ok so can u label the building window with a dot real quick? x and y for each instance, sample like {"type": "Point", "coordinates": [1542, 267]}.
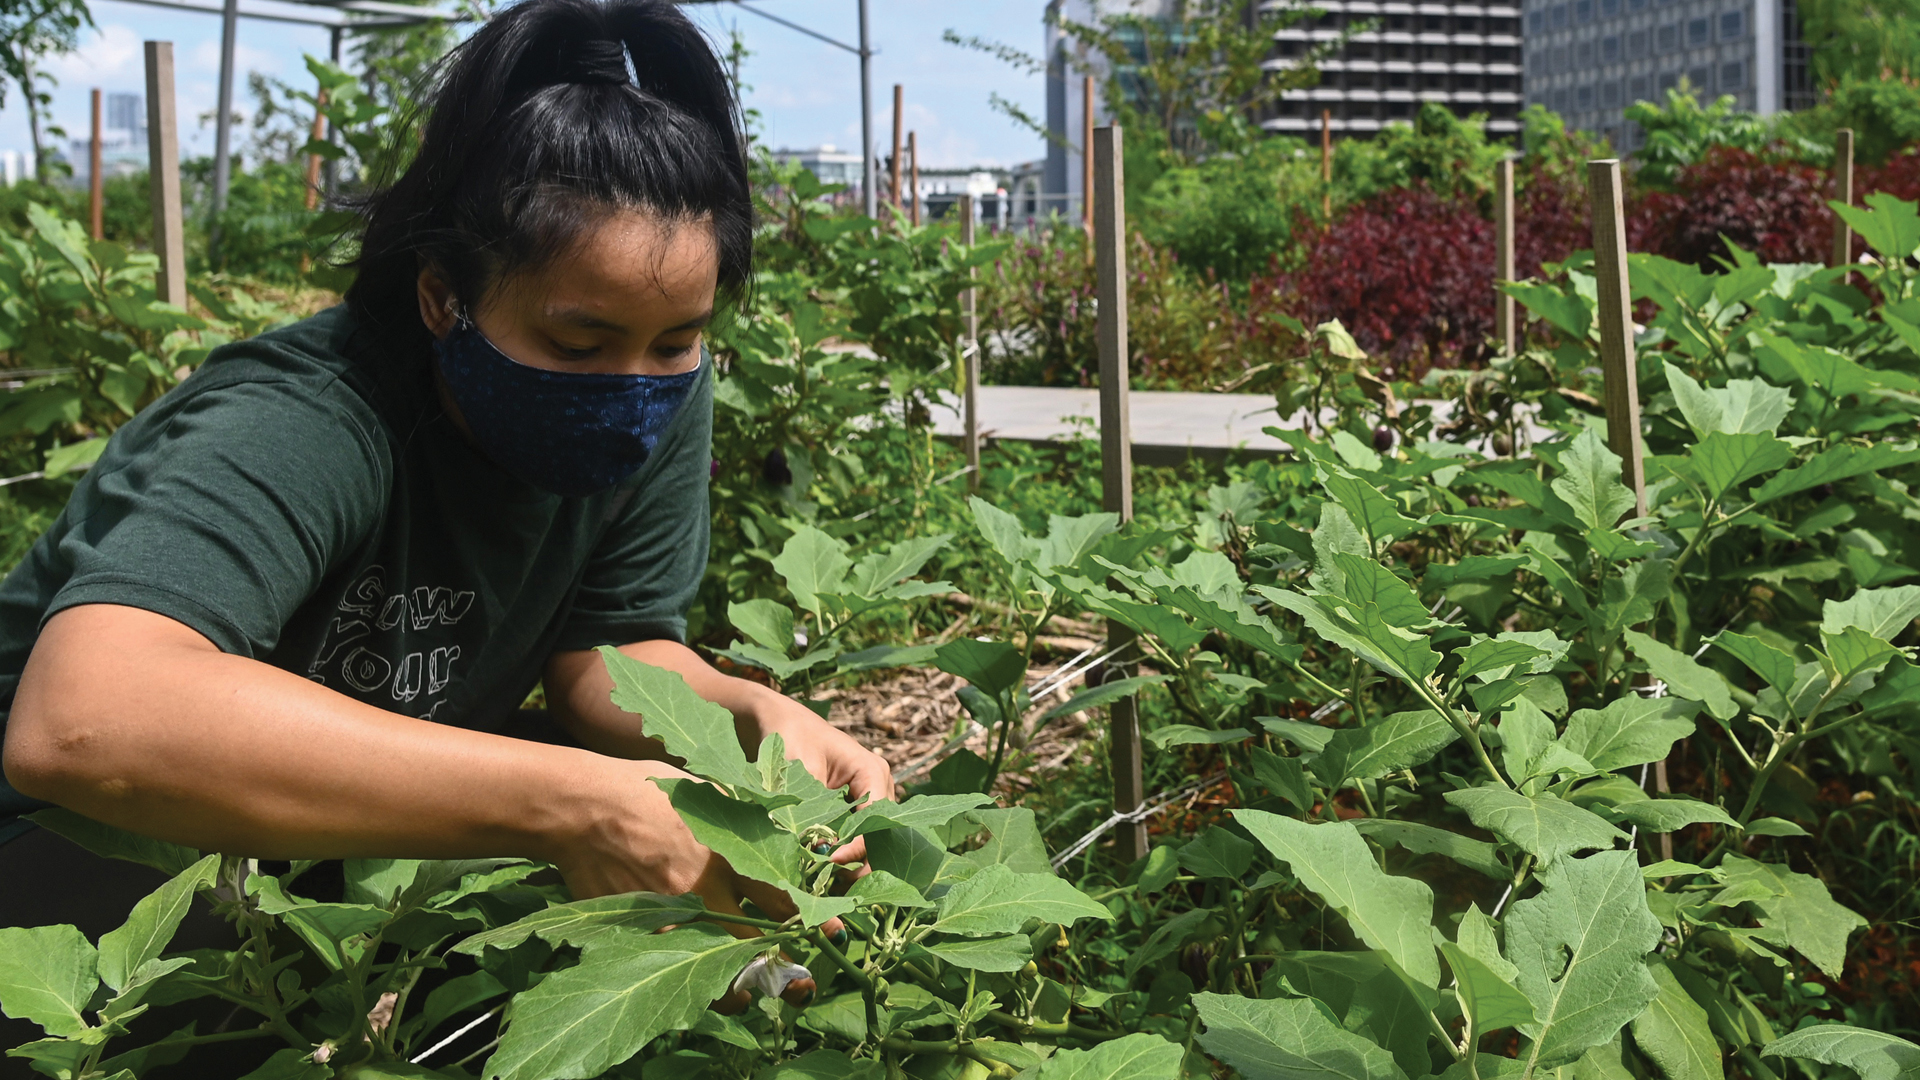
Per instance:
{"type": "Point", "coordinates": [1733, 25]}
{"type": "Point", "coordinates": [1560, 100]}
{"type": "Point", "coordinates": [1583, 98]}
{"type": "Point", "coordinates": [1733, 76]}
{"type": "Point", "coordinates": [1536, 21]}
{"type": "Point", "coordinates": [1399, 22]}
{"type": "Point", "coordinates": [1558, 15]}
{"type": "Point", "coordinates": [1668, 82]}
{"type": "Point", "coordinates": [1702, 80]}
{"type": "Point", "coordinates": [1398, 80]}
{"type": "Point", "coordinates": [1669, 38]}
{"type": "Point", "coordinates": [1636, 5]}
{"type": "Point", "coordinates": [1609, 49]}
{"type": "Point", "coordinates": [1609, 8]}
{"type": "Point", "coordinates": [1583, 54]}
{"type": "Point", "coordinates": [1610, 94]}
{"type": "Point", "coordinates": [1399, 110]}
{"type": "Point", "coordinates": [1435, 24]}
{"type": "Point", "coordinates": [1637, 88]}
{"type": "Point", "coordinates": [1466, 24]}
{"type": "Point", "coordinates": [1637, 44]}
{"type": "Point", "coordinates": [1697, 32]}
{"type": "Point", "coordinates": [1583, 11]}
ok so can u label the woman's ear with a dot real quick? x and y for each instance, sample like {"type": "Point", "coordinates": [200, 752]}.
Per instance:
{"type": "Point", "coordinates": [437, 305]}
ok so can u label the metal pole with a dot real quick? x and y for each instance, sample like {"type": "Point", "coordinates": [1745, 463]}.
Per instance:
{"type": "Point", "coordinates": [970, 353]}
{"type": "Point", "coordinates": [94, 191]}
{"type": "Point", "coordinates": [1842, 193]}
{"type": "Point", "coordinates": [1116, 461]}
{"type": "Point", "coordinates": [223, 120]}
{"type": "Point", "coordinates": [899, 114]}
{"type": "Point", "coordinates": [163, 172]}
{"type": "Point", "coordinates": [330, 168]}
{"type": "Point", "coordinates": [869, 176]}
{"type": "Point", "coordinates": [1503, 254]}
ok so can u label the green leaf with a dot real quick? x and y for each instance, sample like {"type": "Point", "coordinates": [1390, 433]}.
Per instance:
{"type": "Point", "coordinates": [1427, 840]}
{"type": "Point", "coordinates": [1487, 996]}
{"type": "Point", "coordinates": [1568, 311]}
{"type": "Point", "coordinates": [1674, 1032]}
{"type": "Point", "coordinates": [47, 975]}
{"type": "Point", "coordinates": [1501, 654]}
{"type": "Point", "coordinates": [1105, 694]}
{"type": "Point", "coordinates": [150, 927]}
{"type": "Point", "coordinates": [1310, 738]}
{"type": "Point", "coordinates": [880, 887]}
{"type": "Point", "coordinates": [1852, 652]}
{"type": "Point", "coordinates": [1774, 667]}
{"type": "Point", "coordinates": [768, 623]}
{"type": "Point", "coordinates": [1832, 466]}
{"type": "Point", "coordinates": [1194, 735]}
{"type": "Point", "coordinates": [1392, 914]}
{"type": "Point", "coordinates": [918, 812]}
{"type": "Point", "coordinates": [1217, 853]}
{"type": "Point", "coordinates": [1167, 938]}
{"type": "Point", "coordinates": [1882, 613]}
{"type": "Point", "coordinates": [1666, 815]}
{"type": "Point", "coordinates": [1364, 993]}
{"type": "Point", "coordinates": [1630, 731]}
{"type": "Point", "coordinates": [1578, 947]}
{"type": "Point", "coordinates": [1873, 1055]}
{"type": "Point", "coordinates": [1544, 826]}
{"type": "Point", "coordinates": [1888, 223]}
{"type": "Point", "coordinates": [1589, 481]}
{"type": "Point", "coordinates": [1400, 741]}
{"type": "Point", "coordinates": [111, 843]}
{"type": "Point", "coordinates": [290, 1064]}
{"type": "Point", "coordinates": [1684, 677]}
{"type": "Point", "coordinates": [909, 855]}
{"type": "Point", "coordinates": [812, 563]}
{"type": "Point", "coordinates": [1364, 630]}
{"type": "Point", "coordinates": [992, 667]}
{"type": "Point", "coordinates": [1773, 826]}
{"type": "Point", "coordinates": [1008, 953]}
{"type": "Point", "coordinates": [819, 1065]}
{"type": "Point", "coordinates": [75, 455]}
{"type": "Point", "coordinates": [878, 572]}
{"type": "Point", "coordinates": [1287, 1039]}
{"type": "Point", "coordinates": [692, 728]}
{"type": "Point", "coordinates": [625, 991]}
{"type": "Point", "coordinates": [738, 832]}
{"type": "Point", "coordinates": [1742, 407]}
{"type": "Point", "coordinates": [1284, 776]}
{"type": "Point", "coordinates": [1723, 462]}
{"type": "Point", "coordinates": [1139, 1056]}
{"type": "Point", "coordinates": [1376, 516]}
{"type": "Point", "coordinates": [1796, 911]}
{"type": "Point", "coordinates": [999, 901]}
{"type": "Point", "coordinates": [585, 922]}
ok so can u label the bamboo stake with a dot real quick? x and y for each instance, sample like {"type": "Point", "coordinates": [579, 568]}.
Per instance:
{"type": "Point", "coordinates": [1842, 193]}
{"type": "Point", "coordinates": [313, 160]}
{"type": "Point", "coordinates": [970, 353]}
{"type": "Point", "coordinates": [95, 193]}
{"type": "Point", "coordinates": [1503, 255]}
{"type": "Point", "coordinates": [913, 155]}
{"type": "Point", "coordinates": [1086, 154]}
{"type": "Point", "coordinates": [1326, 164]}
{"type": "Point", "coordinates": [163, 170]}
{"type": "Point", "coordinates": [899, 118]}
{"type": "Point", "coordinates": [1116, 463]}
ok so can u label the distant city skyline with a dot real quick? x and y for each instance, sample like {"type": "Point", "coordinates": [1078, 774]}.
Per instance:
{"type": "Point", "coordinates": [805, 92]}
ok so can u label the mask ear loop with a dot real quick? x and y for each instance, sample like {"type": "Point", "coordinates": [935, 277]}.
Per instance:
{"type": "Point", "coordinates": [461, 320]}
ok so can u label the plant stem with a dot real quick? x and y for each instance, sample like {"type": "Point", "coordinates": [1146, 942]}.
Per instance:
{"type": "Point", "coordinates": [868, 993]}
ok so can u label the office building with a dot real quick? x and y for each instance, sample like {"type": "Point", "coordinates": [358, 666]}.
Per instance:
{"type": "Point", "coordinates": [1464, 55]}
{"type": "Point", "coordinates": [1589, 59]}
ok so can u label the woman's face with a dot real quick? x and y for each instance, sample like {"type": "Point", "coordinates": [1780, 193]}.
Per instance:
{"type": "Point", "coordinates": [632, 298]}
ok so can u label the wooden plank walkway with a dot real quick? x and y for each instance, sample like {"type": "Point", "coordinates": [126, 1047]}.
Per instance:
{"type": "Point", "coordinates": [1168, 426]}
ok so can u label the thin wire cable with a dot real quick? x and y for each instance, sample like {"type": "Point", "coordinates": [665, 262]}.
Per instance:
{"type": "Point", "coordinates": [1146, 810]}
{"type": "Point", "coordinates": [449, 1040]}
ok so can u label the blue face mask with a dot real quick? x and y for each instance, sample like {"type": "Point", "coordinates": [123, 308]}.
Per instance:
{"type": "Point", "coordinates": [567, 432]}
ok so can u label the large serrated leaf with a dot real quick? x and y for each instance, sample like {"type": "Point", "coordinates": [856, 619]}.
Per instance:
{"type": "Point", "coordinates": [1133, 1057]}
{"type": "Point", "coordinates": [1589, 481]}
{"type": "Point", "coordinates": [1674, 1031]}
{"type": "Point", "coordinates": [1545, 826]}
{"type": "Point", "coordinates": [692, 728]}
{"type": "Point", "coordinates": [918, 812]}
{"type": "Point", "coordinates": [1796, 911]}
{"type": "Point", "coordinates": [583, 922]}
{"type": "Point", "coordinates": [1486, 995]}
{"type": "Point", "coordinates": [1427, 840]}
{"type": "Point", "coordinates": [1872, 1054]}
{"type": "Point", "coordinates": [812, 563]}
{"type": "Point", "coordinates": [47, 975]}
{"type": "Point", "coordinates": [1882, 613]}
{"type": "Point", "coordinates": [150, 926]}
{"type": "Point", "coordinates": [1287, 1039]}
{"type": "Point", "coordinates": [1009, 952]}
{"type": "Point", "coordinates": [738, 832]}
{"type": "Point", "coordinates": [1392, 914]}
{"type": "Point", "coordinates": [588, 1018]}
{"type": "Point", "coordinates": [1630, 731]}
{"type": "Point", "coordinates": [1683, 676]}
{"type": "Point", "coordinates": [1400, 741]}
{"type": "Point", "coordinates": [1832, 466]}
{"type": "Point", "coordinates": [1742, 407]}
{"type": "Point", "coordinates": [1578, 949]}
{"type": "Point", "coordinates": [997, 900]}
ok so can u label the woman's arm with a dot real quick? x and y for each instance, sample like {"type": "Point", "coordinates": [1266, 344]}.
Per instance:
{"type": "Point", "coordinates": [136, 720]}
{"type": "Point", "coordinates": [578, 689]}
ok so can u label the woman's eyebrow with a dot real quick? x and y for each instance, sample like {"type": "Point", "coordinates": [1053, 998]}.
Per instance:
{"type": "Point", "coordinates": [698, 322]}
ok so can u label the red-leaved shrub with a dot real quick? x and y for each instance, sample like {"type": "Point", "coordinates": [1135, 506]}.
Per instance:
{"type": "Point", "coordinates": [1776, 209]}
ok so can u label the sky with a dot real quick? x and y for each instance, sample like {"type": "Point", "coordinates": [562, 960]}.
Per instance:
{"type": "Point", "coordinates": [806, 92]}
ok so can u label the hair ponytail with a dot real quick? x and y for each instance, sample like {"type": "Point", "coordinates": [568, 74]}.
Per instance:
{"type": "Point", "coordinates": [551, 116]}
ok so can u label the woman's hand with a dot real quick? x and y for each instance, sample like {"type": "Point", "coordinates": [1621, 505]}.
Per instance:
{"type": "Point", "coordinates": [831, 755]}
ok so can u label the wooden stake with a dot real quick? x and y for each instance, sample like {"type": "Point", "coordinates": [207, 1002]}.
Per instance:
{"type": "Point", "coordinates": [913, 155]}
{"type": "Point", "coordinates": [163, 171]}
{"type": "Point", "coordinates": [899, 119]}
{"type": "Point", "coordinates": [970, 354]}
{"type": "Point", "coordinates": [313, 160]}
{"type": "Point", "coordinates": [1326, 164]}
{"type": "Point", "coordinates": [1620, 376]}
{"type": "Point", "coordinates": [1503, 254]}
{"type": "Point", "coordinates": [95, 194]}
{"type": "Point", "coordinates": [1116, 461]}
{"type": "Point", "coordinates": [1842, 193]}
{"type": "Point", "coordinates": [1086, 154]}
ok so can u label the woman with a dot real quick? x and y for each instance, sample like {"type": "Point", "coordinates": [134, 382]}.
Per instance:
{"type": "Point", "coordinates": [289, 609]}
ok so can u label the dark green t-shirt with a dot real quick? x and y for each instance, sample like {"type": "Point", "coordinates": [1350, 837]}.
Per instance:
{"type": "Point", "coordinates": [303, 500]}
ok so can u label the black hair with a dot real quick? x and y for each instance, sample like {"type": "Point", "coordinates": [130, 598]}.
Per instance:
{"type": "Point", "coordinates": [553, 115]}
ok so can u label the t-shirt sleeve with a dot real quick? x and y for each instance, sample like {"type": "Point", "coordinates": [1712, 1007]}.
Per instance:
{"type": "Point", "coordinates": [645, 571]}
{"type": "Point", "coordinates": [224, 508]}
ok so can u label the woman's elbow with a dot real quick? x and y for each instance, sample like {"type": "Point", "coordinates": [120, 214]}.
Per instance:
{"type": "Point", "coordinates": [45, 756]}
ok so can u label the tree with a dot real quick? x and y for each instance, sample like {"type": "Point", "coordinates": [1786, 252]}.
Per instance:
{"type": "Point", "coordinates": [1861, 40]}
{"type": "Point", "coordinates": [29, 31]}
